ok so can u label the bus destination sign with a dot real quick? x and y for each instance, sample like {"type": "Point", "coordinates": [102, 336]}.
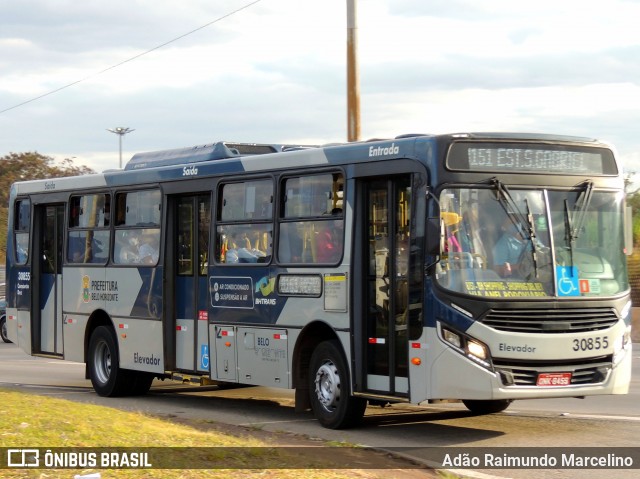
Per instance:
{"type": "Point", "coordinates": [531, 158]}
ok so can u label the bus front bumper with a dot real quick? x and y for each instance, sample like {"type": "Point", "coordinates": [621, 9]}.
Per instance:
{"type": "Point", "coordinates": [454, 376]}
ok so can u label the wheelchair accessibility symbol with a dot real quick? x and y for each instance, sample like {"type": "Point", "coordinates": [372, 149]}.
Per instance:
{"type": "Point", "coordinates": [204, 356]}
{"type": "Point", "coordinates": [567, 281]}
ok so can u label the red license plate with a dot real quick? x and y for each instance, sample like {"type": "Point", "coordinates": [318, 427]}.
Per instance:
{"type": "Point", "coordinates": [554, 379]}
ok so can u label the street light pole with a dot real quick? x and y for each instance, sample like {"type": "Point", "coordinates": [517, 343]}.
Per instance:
{"type": "Point", "coordinates": [120, 131]}
{"type": "Point", "coordinates": [353, 82]}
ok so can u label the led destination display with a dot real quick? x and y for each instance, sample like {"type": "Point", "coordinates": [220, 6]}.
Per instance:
{"type": "Point", "coordinates": [531, 158]}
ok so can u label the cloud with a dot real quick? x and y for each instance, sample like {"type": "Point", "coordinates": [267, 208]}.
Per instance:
{"type": "Point", "coordinates": [276, 72]}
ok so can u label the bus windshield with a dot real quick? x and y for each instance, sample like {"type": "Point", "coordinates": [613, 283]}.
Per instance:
{"type": "Point", "coordinates": [523, 243]}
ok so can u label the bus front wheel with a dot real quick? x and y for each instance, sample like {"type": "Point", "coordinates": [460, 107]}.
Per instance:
{"type": "Point", "coordinates": [477, 406]}
{"type": "Point", "coordinates": [106, 377]}
{"type": "Point", "coordinates": [331, 401]}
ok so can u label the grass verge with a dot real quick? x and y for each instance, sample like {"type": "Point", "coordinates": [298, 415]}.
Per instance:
{"type": "Point", "coordinates": [30, 421]}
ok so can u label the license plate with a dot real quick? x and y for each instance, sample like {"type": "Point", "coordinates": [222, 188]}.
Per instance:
{"type": "Point", "coordinates": [554, 379]}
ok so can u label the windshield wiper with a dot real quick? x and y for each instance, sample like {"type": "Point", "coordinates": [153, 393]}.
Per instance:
{"type": "Point", "coordinates": [532, 237]}
{"type": "Point", "coordinates": [574, 221]}
{"type": "Point", "coordinates": [525, 222]}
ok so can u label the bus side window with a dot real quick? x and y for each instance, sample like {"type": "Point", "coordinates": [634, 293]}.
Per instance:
{"type": "Point", "coordinates": [245, 231]}
{"type": "Point", "coordinates": [137, 224]}
{"type": "Point", "coordinates": [88, 233]}
{"type": "Point", "coordinates": [312, 223]}
{"type": "Point", "coordinates": [22, 226]}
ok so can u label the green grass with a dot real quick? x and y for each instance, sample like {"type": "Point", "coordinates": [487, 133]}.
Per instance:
{"type": "Point", "coordinates": [29, 421]}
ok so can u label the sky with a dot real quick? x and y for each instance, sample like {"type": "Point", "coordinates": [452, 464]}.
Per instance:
{"type": "Point", "coordinates": [275, 72]}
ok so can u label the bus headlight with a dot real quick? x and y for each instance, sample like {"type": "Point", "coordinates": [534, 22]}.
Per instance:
{"type": "Point", "coordinates": [473, 349]}
{"type": "Point", "coordinates": [620, 346]}
{"type": "Point", "coordinates": [452, 338]}
{"type": "Point", "coordinates": [477, 349]}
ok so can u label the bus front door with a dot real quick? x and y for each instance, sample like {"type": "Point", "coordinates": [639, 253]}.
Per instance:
{"type": "Point", "coordinates": [46, 327]}
{"type": "Point", "coordinates": [191, 291]}
{"type": "Point", "coordinates": [386, 257]}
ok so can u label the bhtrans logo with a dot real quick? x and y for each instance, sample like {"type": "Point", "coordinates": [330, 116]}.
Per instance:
{"type": "Point", "coordinates": [392, 149]}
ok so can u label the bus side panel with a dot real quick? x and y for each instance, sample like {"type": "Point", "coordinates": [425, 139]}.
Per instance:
{"type": "Point", "coordinates": [75, 326]}
{"type": "Point", "coordinates": [19, 306]}
{"type": "Point", "coordinates": [223, 347]}
{"type": "Point", "coordinates": [141, 344]}
{"type": "Point", "coordinates": [12, 324]}
{"type": "Point", "coordinates": [263, 357]}
{"type": "Point", "coordinates": [24, 331]}
{"type": "Point", "coordinates": [80, 290]}
{"type": "Point", "coordinates": [419, 373]}
{"type": "Point", "coordinates": [134, 301]}
{"type": "Point", "coordinates": [132, 297]}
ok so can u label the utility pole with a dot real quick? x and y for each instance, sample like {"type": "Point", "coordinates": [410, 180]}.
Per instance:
{"type": "Point", "coordinates": [353, 80]}
{"type": "Point", "coordinates": [120, 131]}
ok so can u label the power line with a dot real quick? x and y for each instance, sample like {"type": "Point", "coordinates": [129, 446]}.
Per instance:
{"type": "Point", "coordinates": [135, 57]}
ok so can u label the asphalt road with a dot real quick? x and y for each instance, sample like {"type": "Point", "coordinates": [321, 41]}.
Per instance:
{"type": "Point", "coordinates": [605, 421]}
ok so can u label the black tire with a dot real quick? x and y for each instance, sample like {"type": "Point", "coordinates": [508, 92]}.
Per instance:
{"type": "Point", "coordinates": [3, 329]}
{"type": "Point", "coordinates": [140, 383]}
{"type": "Point", "coordinates": [486, 406]}
{"type": "Point", "coordinates": [106, 377]}
{"type": "Point", "coordinates": [331, 401]}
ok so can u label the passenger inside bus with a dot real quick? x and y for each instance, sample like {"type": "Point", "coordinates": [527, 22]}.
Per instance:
{"type": "Point", "coordinates": [507, 252]}
{"type": "Point", "coordinates": [148, 249]}
{"type": "Point", "coordinates": [328, 240]}
{"type": "Point", "coordinates": [137, 247]}
{"type": "Point", "coordinates": [238, 247]}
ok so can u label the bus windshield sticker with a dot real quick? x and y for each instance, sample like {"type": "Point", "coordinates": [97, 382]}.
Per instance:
{"type": "Point", "coordinates": [231, 292]}
{"type": "Point", "coordinates": [335, 292]}
{"type": "Point", "coordinates": [505, 289]}
{"type": "Point", "coordinates": [567, 281]}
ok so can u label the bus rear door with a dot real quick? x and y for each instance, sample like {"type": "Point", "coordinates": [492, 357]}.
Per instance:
{"type": "Point", "coordinates": [191, 291]}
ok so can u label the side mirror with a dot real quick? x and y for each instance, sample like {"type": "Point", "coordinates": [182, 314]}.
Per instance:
{"type": "Point", "coordinates": [435, 236]}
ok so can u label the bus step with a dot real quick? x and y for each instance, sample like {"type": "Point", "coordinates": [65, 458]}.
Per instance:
{"type": "Point", "coordinates": [195, 380]}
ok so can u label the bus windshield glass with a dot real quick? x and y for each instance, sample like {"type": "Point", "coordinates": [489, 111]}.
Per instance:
{"type": "Point", "coordinates": [523, 243]}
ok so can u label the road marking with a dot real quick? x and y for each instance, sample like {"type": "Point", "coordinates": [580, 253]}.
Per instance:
{"type": "Point", "coordinates": [83, 389]}
{"type": "Point", "coordinates": [264, 423]}
{"type": "Point", "coordinates": [579, 416]}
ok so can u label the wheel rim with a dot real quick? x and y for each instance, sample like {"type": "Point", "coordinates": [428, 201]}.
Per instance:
{"type": "Point", "coordinates": [327, 384]}
{"type": "Point", "coordinates": [4, 329]}
{"type": "Point", "coordinates": [102, 362]}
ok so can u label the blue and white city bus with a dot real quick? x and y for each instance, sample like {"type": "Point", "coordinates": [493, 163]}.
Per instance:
{"type": "Point", "coordinates": [476, 267]}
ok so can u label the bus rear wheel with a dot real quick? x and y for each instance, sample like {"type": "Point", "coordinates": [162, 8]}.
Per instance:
{"type": "Point", "coordinates": [106, 377]}
{"type": "Point", "coordinates": [331, 401]}
{"type": "Point", "coordinates": [477, 406]}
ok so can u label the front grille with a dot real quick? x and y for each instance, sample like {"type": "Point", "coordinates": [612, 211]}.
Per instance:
{"type": "Point", "coordinates": [584, 372]}
{"type": "Point", "coordinates": [555, 321]}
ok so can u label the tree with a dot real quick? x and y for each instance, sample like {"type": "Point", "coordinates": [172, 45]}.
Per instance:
{"type": "Point", "coordinates": [633, 200]}
{"type": "Point", "coordinates": [29, 166]}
